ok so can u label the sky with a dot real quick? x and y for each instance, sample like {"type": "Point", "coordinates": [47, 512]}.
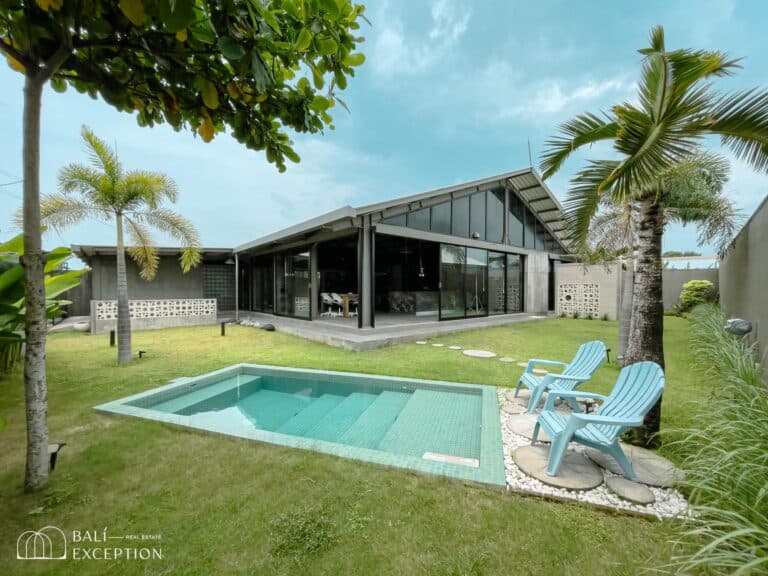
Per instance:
{"type": "Point", "coordinates": [451, 91]}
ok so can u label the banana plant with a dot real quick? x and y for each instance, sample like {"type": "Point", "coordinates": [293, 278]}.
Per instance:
{"type": "Point", "coordinates": [12, 301]}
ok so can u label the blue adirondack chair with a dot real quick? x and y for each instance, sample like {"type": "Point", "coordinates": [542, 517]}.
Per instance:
{"type": "Point", "coordinates": [637, 389]}
{"type": "Point", "coordinates": [589, 357]}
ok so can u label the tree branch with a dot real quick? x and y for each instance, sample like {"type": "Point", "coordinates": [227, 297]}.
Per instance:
{"type": "Point", "coordinates": [59, 57]}
{"type": "Point", "coordinates": [16, 55]}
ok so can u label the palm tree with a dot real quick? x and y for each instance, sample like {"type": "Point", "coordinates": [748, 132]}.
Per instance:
{"type": "Point", "coordinates": [134, 201]}
{"type": "Point", "coordinates": [696, 197]}
{"type": "Point", "coordinates": [676, 109]}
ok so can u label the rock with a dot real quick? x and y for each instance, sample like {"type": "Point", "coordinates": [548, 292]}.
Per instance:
{"type": "Point", "coordinates": [649, 467]}
{"type": "Point", "coordinates": [438, 345]}
{"type": "Point", "coordinates": [454, 347]}
{"type": "Point", "coordinates": [268, 327]}
{"type": "Point", "coordinates": [514, 408]}
{"type": "Point", "coordinates": [630, 491]}
{"type": "Point", "coordinates": [506, 359]}
{"type": "Point", "coordinates": [523, 424]}
{"type": "Point", "coordinates": [479, 353]}
{"type": "Point", "coordinates": [576, 472]}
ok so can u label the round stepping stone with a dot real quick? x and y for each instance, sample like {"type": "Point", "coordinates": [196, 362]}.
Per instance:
{"type": "Point", "coordinates": [506, 359]}
{"type": "Point", "coordinates": [421, 341]}
{"type": "Point", "coordinates": [438, 345]}
{"type": "Point", "coordinates": [630, 491]}
{"type": "Point", "coordinates": [649, 467]}
{"type": "Point", "coordinates": [454, 347]}
{"type": "Point", "coordinates": [524, 424]}
{"type": "Point", "coordinates": [576, 472]}
{"type": "Point", "coordinates": [515, 408]}
{"type": "Point", "coordinates": [479, 353]}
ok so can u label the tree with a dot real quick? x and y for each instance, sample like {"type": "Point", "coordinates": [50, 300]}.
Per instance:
{"type": "Point", "coordinates": [134, 202]}
{"type": "Point", "coordinates": [675, 109]}
{"type": "Point", "coordinates": [696, 197]}
{"type": "Point", "coordinates": [255, 66]}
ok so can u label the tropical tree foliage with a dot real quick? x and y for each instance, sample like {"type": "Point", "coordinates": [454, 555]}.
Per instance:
{"type": "Point", "coordinates": [255, 66]}
{"type": "Point", "coordinates": [675, 109]}
{"type": "Point", "coordinates": [133, 201]}
{"type": "Point", "coordinates": [12, 303]}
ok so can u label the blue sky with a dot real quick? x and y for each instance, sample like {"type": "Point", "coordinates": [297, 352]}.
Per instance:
{"type": "Point", "coordinates": [451, 91]}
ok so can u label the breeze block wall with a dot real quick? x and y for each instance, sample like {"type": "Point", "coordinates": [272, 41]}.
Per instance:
{"type": "Point", "coordinates": [154, 314]}
{"type": "Point", "coordinates": [590, 291]}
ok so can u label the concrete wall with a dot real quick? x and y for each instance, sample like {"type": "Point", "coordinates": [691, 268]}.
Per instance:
{"type": "Point", "coordinates": [536, 283]}
{"type": "Point", "coordinates": [674, 279]}
{"type": "Point", "coordinates": [170, 281]}
{"type": "Point", "coordinates": [744, 278]}
{"type": "Point", "coordinates": [80, 296]}
{"type": "Point", "coordinates": [594, 290]}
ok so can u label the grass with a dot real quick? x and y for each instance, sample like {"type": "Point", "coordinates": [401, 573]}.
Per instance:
{"type": "Point", "coordinates": [224, 505]}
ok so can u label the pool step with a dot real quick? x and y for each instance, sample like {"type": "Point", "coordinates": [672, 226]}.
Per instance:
{"type": "Point", "coordinates": [308, 417]}
{"type": "Point", "coordinates": [373, 424]}
{"type": "Point", "coordinates": [223, 393]}
{"type": "Point", "coordinates": [433, 421]}
{"type": "Point", "coordinates": [269, 409]}
{"type": "Point", "coordinates": [340, 418]}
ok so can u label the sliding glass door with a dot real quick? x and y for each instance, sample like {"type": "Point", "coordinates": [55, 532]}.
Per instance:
{"type": "Point", "coordinates": [452, 296]}
{"type": "Point", "coordinates": [497, 273]}
{"type": "Point", "coordinates": [475, 281]}
{"type": "Point", "coordinates": [514, 289]}
{"type": "Point", "coordinates": [292, 285]}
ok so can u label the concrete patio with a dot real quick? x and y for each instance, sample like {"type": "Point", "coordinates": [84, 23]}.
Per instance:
{"type": "Point", "coordinates": [390, 329]}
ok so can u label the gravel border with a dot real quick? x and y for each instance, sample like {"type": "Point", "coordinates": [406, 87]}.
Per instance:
{"type": "Point", "coordinates": [669, 502]}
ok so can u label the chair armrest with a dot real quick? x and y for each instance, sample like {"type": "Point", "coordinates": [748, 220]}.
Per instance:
{"type": "Point", "coordinates": [569, 394]}
{"type": "Point", "coordinates": [598, 419]}
{"type": "Point", "coordinates": [533, 361]}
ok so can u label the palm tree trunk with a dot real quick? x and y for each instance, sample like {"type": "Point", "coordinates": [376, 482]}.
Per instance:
{"type": "Point", "coordinates": [646, 338]}
{"type": "Point", "coordinates": [35, 385]}
{"type": "Point", "coordinates": [123, 310]}
{"type": "Point", "coordinates": [625, 311]}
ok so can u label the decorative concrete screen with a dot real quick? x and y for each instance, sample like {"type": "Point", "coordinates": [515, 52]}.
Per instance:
{"type": "Point", "coordinates": [153, 314]}
{"type": "Point", "coordinates": [583, 299]}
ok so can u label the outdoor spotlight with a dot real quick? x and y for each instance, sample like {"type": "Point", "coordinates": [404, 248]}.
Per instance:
{"type": "Point", "coordinates": [738, 326]}
{"type": "Point", "coordinates": [476, 235]}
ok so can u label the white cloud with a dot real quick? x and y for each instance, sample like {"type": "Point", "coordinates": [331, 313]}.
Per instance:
{"type": "Point", "coordinates": [396, 52]}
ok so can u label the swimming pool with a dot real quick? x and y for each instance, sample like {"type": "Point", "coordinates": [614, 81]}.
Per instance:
{"type": "Point", "coordinates": [437, 427]}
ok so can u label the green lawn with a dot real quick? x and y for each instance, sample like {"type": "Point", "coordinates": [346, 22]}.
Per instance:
{"type": "Point", "coordinates": [224, 505]}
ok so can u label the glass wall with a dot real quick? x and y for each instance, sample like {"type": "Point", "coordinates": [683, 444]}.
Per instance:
{"type": "Point", "coordinates": [494, 230]}
{"type": "Point", "coordinates": [474, 282]}
{"type": "Point", "coordinates": [292, 284]}
{"type": "Point", "coordinates": [516, 218]}
{"type": "Point", "coordinates": [497, 266]}
{"type": "Point", "coordinates": [441, 218]}
{"type": "Point", "coordinates": [452, 296]}
{"type": "Point", "coordinates": [460, 217]}
{"type": "Point", "coordinates": [515, 287]}
{"type": "Point", "coordinates": [262, 283]}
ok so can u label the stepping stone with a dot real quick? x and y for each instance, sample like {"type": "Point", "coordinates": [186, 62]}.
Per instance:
{"type": "Point", "coordinates": [649, 467]}
{"type": "Point", "coordinates": [524, 424]}
{"type": "Point", "coordinates": [539, 371]}
{"type": "Point", "coordinates": [506, 359]}
{"type": "Point", "coordinates": [454, 347]}
{"type": "Point", "coordinates": [421, 341]}
{"type": "Point", "coordinates": [515, 408]}
{"type": "Point", "coordinates": [479, 353]}
{"type": "Point", "coordinates": [576, 472]}
{"type": "Point", "coordinates": [630, 491]}
{"type": "Point", "coordinates": [438, 345]}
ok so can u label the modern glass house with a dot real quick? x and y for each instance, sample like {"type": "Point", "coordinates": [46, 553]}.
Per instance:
{"type": "Point", "coordinates": [481, 248]}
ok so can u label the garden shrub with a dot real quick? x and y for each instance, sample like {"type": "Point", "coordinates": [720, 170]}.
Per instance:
{"type": "Point", "coordinates": [725, 457]}
{"type": "Point", "coordinates": [696, 292]}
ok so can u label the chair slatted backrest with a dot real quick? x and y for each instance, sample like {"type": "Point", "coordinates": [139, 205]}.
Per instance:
{"type": "Point", "coordinates": [636, 391]}
{"type": "Point", "coordinates": [589, 357]}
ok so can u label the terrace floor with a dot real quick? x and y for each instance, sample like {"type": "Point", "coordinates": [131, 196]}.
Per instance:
{"type": "Point", "coordinates": [390, 328]}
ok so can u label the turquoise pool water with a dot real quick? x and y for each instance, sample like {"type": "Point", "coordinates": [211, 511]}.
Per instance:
{"type": "Point", "coordinates": [438, 427]}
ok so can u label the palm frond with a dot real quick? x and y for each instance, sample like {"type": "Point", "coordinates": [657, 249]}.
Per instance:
{"type": "Point", "coordinates": [178, 228]}
{"type": "Point", "coordinates": [741, 119]}
{"type": "Point", "coordinates": [82, 179]}
{"type": "Point", "coordinates": [584, 198]}
{"type": "Point", "coordinates": [142, 249]}
{"type": "Point", "coordinates": [140, 187]}
{"type": "Point", "coordinates": [582, 130]}
{"type": "Point", "coordinates": [60, 211]}
{"type": "Point", "coordinates": [102, 156]}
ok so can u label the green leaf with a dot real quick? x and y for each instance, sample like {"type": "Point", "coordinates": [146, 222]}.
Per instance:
{"type": "Point", "coordinates": [56, 257]}
{"type": "Point", "coordinates": [55, 285]}
{"type": "Point", "coordinates": [209, 93]}
{"type": "Point", "coordinates": [354, 59]}
{"type": "Point", "coordinates": [176, 14]}
{"type": "Point", "coordinates": [262, 77]}
{"type": "Point", "coordinates": [134, 11]}
{"type": "Point", "coordinates": [11, 277]}
{"type": "Point", "coordinates": [327, 46]}
{"type": "Point", "coordinates": [231, 49]}
{"type": "Point", "coordinates": [203, 32]}
{"type": "Point", "coordinates": [15, 245]}
{"type": "Point", "coordinates": [58, 84]}
{"type": "Point", "coordinates": [304, 40]}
